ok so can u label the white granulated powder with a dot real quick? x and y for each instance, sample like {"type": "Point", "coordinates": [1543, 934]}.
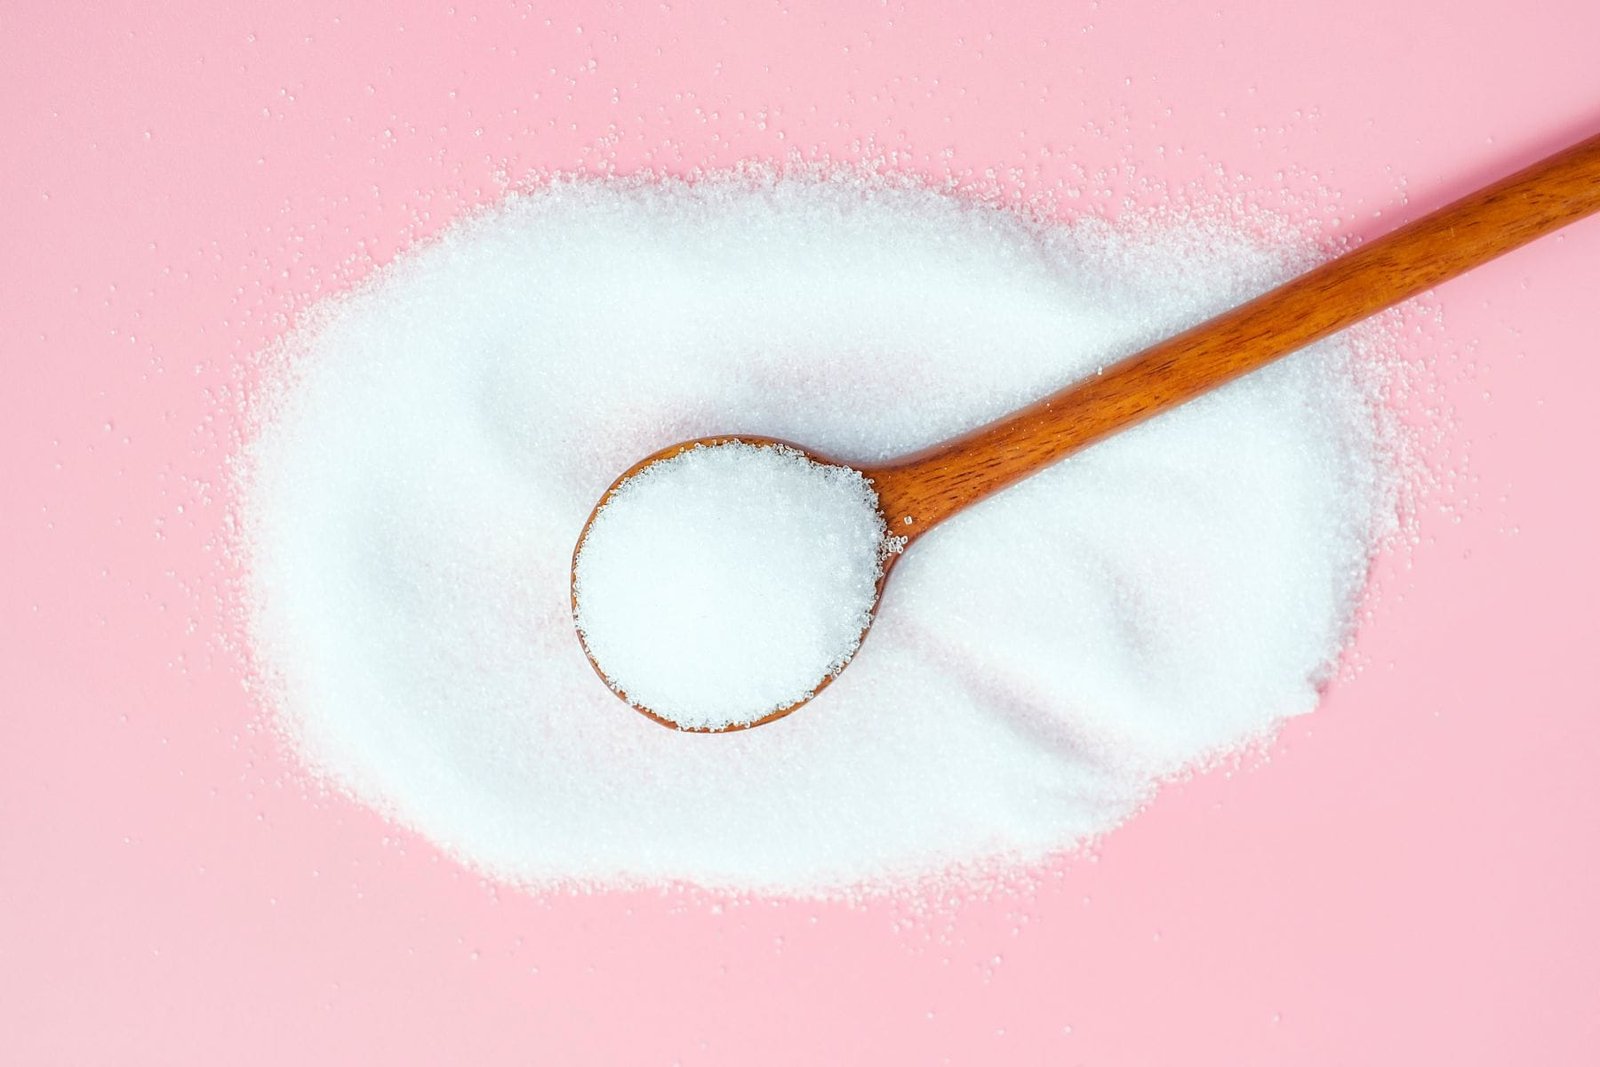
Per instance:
{"type": "Point", "coordinates": [726, 582]}
{"type": "Point", "coordinates": [431, 445]}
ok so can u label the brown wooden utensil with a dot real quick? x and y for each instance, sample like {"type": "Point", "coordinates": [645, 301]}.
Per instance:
{"type": "Point", "coordinates": [919, 491]}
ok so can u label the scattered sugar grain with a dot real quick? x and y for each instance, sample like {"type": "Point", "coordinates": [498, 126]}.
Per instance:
{"type": "Point", "coordinates": [431, 446]}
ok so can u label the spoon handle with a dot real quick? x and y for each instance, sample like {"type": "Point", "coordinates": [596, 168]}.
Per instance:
{"type": "Point", "coordinates": [923, 489]}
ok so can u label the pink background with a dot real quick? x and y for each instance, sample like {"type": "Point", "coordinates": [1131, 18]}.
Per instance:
{"type": "Point", "coordinates": [1413, 876]}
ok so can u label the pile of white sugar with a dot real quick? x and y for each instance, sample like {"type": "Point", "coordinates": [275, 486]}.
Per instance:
{"type": "Point", "coordinates": [725, 583]}
{"type": "Point", "coordinates": [430, 446]}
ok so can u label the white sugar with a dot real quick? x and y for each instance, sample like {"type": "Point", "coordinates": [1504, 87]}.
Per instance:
{"type": "Point", "coordinates": [727, 582]}
{"type": "Point", "coordinates": [432, 444]}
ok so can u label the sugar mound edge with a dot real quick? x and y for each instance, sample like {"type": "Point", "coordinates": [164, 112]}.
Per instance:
{"type": "Point", "coordinates": [727, 582]}
{"type": "Point", "coordinates": [428, 448]}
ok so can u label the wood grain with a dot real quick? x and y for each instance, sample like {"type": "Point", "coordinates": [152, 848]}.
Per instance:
{"type": "Point", "coordinates": [922, 490]}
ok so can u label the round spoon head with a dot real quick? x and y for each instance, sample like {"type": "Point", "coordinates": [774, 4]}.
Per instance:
{"type": "Point", "coordinates": [885, 561]}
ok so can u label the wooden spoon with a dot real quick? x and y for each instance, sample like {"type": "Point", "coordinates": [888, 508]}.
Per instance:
{"type": "Point", "coordinates": [919, 491]}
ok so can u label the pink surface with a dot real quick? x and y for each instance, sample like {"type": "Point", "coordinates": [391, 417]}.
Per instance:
{"type": "Point", "coordinates": [1411, 878]}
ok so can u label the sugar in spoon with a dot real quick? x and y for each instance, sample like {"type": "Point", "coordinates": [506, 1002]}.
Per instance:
{"type": "Point", "coordinates": [917, 492]}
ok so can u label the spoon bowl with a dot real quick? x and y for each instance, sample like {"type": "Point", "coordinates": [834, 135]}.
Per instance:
{"type": "Point", "coordinates": [886, 563]}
